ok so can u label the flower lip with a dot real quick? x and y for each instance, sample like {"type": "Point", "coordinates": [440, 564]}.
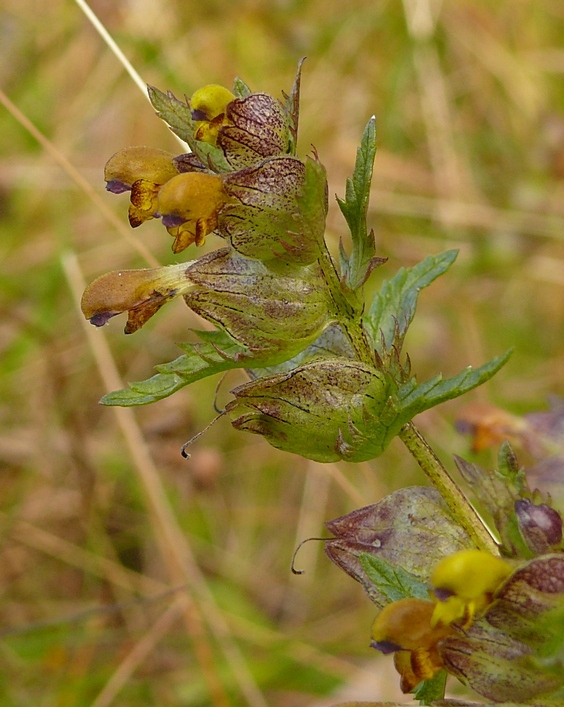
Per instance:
{"type": "Point", "coordinates": [199, 115]}
{"type": "Point", "coordinates": [172, 220]}
{"type": "Point", "coordinates": [442, 594]}
{"type": "Point", "coordinates": [102, 318]}
{"type": "Point", "coordinates": [116, 186]}
{"type": "Point", "coordinates": [385, 647]}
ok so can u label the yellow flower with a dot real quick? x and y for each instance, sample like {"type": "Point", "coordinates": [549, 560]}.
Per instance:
{"type": "Point", "coordinates": [141, 170]}
{"type": "Point", "coordinates": [464, 584]}
{"type": "Point", "coordinates": [189, 205]}
{"type": "Point", "coordinates": [208, 105]}
{"type": "Point", "coordinates": [140, 293]}
{"type": "Point", "coordinates": [404, 628]}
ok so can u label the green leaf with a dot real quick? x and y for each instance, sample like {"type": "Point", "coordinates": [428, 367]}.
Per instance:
{"type": "Point", "coordinates": [240, 88]}
{"type": "Point", "coordinates": [356, 268]}
{"type": "Point", "coordinates": [293, 108]}
{"type": "Point", "coordinates": [393, 308]}
{"type": "Point", "coordinates": [439, 390]}
{"type": "Point", "coordinates": [175, 113]}
{"type": "Point", "coordinates": [393, 582]}
{"type": "Point", "coordinates": [430, 690]}
{"type": "Point", "coordinates": [215, 354]}
{"type": "Point", "coordinates": [313, 204]}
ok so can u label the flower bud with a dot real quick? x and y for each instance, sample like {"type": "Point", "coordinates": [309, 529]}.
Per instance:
{"type": "Point", "coordinates": [208, 105]}
{"type": "Point", "coordinates": [141, 170]}
{"type": "Point", "coordinates": [189, 205]}
{"type": "Point", "coordinates": [314, 410]}
{"type": "Point", "coordinates": [465, 583]}
{"type": "Point", "coordinates": [259, 307]}
{"type": "Point", "coordinates": [540, 526]}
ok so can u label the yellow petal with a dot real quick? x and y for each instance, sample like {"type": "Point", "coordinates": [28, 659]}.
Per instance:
{"type": "Point", "coordinates": [139, 292]}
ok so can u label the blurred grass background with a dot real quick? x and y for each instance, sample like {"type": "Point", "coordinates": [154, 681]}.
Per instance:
{"type": "Point", "coordinates": [129, 576]}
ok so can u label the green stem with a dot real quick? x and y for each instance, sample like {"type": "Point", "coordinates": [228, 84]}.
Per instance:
{"type": "Point", "coordinates": [459, 506]}
{"type": "Point", "coordinates": [348, 312]}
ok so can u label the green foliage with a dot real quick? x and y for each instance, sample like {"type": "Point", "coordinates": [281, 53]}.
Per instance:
{"type": "Point", "coordinates": [176, 114]}
{"type": "Point", "coordinates": [415, 398]}
{"type": "Point", "coordinates": [216, 354]}
{"type": "Point", "coordinates": [430, 690]}
{"type": "Point", "coordinates": [392, 581]}
{"type": "Point", "coordinates": [393, 307]}
{"type": "Point", "coordinates": [526, 522]}
{"type": "Point", "coordinates": [240, 88]}
{"type": "Point", "coordinates": [356, 267]}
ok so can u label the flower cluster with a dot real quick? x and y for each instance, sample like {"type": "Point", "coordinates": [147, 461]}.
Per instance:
{"type": "Point", "coordinates": [329, 381]}
{"type": "Point", "coordinates": [494, 622]}
{"type": "Point", "coordinates": [328, 384]}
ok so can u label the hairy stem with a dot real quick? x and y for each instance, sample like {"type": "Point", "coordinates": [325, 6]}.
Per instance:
{"type": "Point", "coordinates": [459, 506]}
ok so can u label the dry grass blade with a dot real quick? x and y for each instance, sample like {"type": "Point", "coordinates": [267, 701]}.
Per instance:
{"type": "Point", "coordinates": [72, 554]}
{"type": "Point", "coordinates": [111, 44]}
{"type": "Point", "coordinates": [124, 61]}
{"type": "Point", "coordinates": [75, 175]}
{"type": "Point", "coordinates": [140, 652]}
{"type": "Point", "coordinates": [174, 547]}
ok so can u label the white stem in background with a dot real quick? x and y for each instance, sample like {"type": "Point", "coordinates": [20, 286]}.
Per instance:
{"type": "Point", "coordinates": [103, 32]}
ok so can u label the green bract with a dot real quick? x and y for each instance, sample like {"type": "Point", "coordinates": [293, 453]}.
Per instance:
{"type": "Point", "coordinates": [280, 310]}
{"type": "Point", "coordinates": [316, 410]}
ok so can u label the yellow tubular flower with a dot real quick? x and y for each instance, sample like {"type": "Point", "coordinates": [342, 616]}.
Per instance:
{"type": "Point", "coordinates": [141, 293]}
{"type": "Point", "coordinates": [464, 584]}
{"type": "Point", "coordinates": [141, 170]}
{"type": "Point", "coordinates": [189, 205]}
{"type": "Point", "coordinates": [404, 628]}
{"type": "Point", "coordinates": [208, 105]}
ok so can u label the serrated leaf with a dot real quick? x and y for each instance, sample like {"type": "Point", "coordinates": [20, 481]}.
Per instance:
{"type": "Point", "coordinates": [430, 690]}
{"type": "Point", "coordinates": [293, 108]}
{"type": "Point", "coordinates": [174, 112]}
{"type": "Point", "coordinates": [215, 354]}
{"type": "Point", "coordinates": [439, 390]}
{"type": "Point", "coordinates": [393, 308]}
{"type": "Point", "coordinates": [240, 88]}
{"type": "Point", "coordinates": [394, 583]}
{"type": "Point", "coordinates": [356, 267]}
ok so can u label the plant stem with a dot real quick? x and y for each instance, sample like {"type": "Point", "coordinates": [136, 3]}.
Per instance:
{"type": "Point", "coordinates": [459, 506]}
{"type": "Point", "coordinates": [348, 311]}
